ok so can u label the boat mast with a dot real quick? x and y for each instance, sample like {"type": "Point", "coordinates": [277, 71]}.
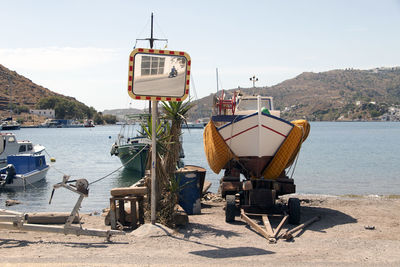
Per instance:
{"type": "Point", "coordinates": [154, 113]}
{"type": "Point", "coordinates": [151, 41]}
{"type": "Point", "coordinates": [10, 101]}
{"type": "Point", "coordinates": [217, 79]}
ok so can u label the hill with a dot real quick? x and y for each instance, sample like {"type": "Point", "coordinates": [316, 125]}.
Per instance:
{"type": "Point", "coordinates": [333, 95]}
{"type": "Point", "coordinates": [22, 94]}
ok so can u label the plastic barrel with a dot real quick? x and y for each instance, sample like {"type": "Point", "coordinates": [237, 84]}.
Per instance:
{"type": "Point", "coordinates": [189, 193]}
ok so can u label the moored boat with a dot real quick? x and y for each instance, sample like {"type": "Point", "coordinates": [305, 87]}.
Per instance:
{"type": "Point", "coordinates": [9, 145]}
{"type": "Point", "coordinates": [9, 124]}
{"type": "Point", "coordinates": [132, 149]}
{"type": "Point", "coordinates": [23, 170]}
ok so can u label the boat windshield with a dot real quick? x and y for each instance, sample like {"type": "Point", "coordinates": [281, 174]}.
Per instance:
{"type": "Point", "coordinates": [251, 104]}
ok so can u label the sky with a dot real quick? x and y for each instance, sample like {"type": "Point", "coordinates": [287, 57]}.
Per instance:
{"type": "Point", "coordinates": [81, 48]}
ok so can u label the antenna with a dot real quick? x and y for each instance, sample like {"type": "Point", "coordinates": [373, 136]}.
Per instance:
{"type": "Point", "coordinates": [152, 39]}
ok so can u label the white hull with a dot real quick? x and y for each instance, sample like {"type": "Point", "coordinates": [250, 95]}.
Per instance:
{"type": "Point", "coordinates": [22, 180]}
{"type": "Point", "coordinates": [255, 135]}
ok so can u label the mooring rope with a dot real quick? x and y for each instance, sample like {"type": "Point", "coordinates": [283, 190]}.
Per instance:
{"type": "Point", "coordinates": [102, 178]}
{"type": "Point", "coordinates": [123, 165]}
{"type": "Point", "coordinates": [52, 165]}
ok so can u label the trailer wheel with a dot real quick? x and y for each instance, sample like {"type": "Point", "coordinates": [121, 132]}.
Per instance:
{"type": "Point", "coordinates": [230, 208]}
{"type": "Point", "coordinates": [294, 211]}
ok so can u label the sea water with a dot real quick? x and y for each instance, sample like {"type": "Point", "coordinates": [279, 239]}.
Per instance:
{"type": "Point", "coordinates": [337, 158]}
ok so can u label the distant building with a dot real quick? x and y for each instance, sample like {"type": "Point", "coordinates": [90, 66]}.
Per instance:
{"type": "Point", "coordinates": [48, 113]}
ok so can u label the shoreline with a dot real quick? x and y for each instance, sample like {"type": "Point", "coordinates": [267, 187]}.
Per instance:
{"type": "Point", "coordinates": [341, 237]}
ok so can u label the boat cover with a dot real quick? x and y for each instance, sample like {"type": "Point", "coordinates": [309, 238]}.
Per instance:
{"type": "Point", "coordinates": [288, 151]}
{"type": "Point", "coordinates": [218, 153]}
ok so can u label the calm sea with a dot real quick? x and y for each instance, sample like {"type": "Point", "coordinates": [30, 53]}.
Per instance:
{"type": "Point", "coordinates": [337, 158]}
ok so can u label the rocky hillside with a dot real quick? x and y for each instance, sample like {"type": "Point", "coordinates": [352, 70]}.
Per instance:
{"type": "Point", "coordinates": [22, 91]}
{"type": "Point", "coordinates": [333, 95]}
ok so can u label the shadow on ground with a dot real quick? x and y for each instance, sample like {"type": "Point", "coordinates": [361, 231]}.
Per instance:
{"type": "Point", "coordinates": [202, 229]}
{"type": "Point", "coordinates": [221, 253]}
{"type": "Point", "coordinates": [14, 243]}
{"type": "Point", "coordinates": [329, 218]}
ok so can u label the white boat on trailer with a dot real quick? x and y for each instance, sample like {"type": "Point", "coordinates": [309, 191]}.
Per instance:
{"type": "Point", "coordinates": [253, 130]}
{"type": "Point", "coordinates": [23, 170]}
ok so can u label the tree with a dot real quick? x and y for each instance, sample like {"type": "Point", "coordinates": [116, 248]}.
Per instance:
{"type": "Point", "coordinates": [176, 113]}
{"type": "Point", "coordinates": [98, 119]}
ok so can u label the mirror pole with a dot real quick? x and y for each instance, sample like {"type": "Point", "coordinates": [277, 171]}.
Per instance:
{"type": "Point", "coordinates": [153, 161]}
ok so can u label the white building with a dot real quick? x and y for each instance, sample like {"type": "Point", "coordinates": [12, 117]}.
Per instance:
{"type": "Point", "coordinates": [48, 113]}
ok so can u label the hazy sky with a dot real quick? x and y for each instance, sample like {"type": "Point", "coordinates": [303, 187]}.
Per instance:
{"type": "Point", "coordinates": [81, 48]}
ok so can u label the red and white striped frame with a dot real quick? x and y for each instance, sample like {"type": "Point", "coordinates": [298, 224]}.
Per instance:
{"type": "Point", "coordinates": [158, 52]}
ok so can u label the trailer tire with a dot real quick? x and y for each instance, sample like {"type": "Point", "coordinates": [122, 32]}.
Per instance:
{"type": "Point", "coordinates": [230, 208]}
{"type": "Point", "coordinates": [294, 211]}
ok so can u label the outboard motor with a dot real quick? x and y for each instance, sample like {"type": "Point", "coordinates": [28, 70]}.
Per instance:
{"type": "Point", "coordinates": [10, 171]}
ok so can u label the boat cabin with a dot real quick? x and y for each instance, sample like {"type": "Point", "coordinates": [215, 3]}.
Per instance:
{"type": "Point", "coordinates": [10, 146]}
{"type": "Point", "coordinates": [249, 104]}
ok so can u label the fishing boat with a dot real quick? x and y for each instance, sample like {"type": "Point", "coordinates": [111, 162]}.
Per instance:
{"type": "Point", "coordinates": [23, 170]}
{"type": "Point", "coordinates": [247, 137]}
{"type": "Point", "coordinates": [9, 145]}
{"type": "Point", "coordinates": [132, 147]}
{"type": "Point", "coordinates": [198, 124]}
{"type": "Point", "coordinates": [253, 132]}
{"type": "Point", "coordinates": [9, 124]}
{"type": "Point", "coordinates": [88, 123]}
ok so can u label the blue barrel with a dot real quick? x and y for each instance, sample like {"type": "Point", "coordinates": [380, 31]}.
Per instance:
{"type": "Point", "coordinates": [190, 179]}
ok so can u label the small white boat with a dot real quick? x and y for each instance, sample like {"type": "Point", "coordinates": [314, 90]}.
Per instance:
{"type": "Point", "coordinates": [10, 124]}
{"type": "Point", "coordinates": [23, 170]}
{"type": "Point", "coordinates": [254, 132]}
{"type": "Point", "coordinates": [10, 146]}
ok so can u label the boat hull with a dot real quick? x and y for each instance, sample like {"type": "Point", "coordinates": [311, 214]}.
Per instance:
{"type": "Point", "coordinates": [134, 156]}
{"type": "Point", "coordinates": [25, 180]}
{"type": "Point", "coordinates": [250, 143]}
{"type": "Point", "coordinates": [255, 135]}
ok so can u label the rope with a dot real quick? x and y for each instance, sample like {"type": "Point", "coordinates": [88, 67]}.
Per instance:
{"type": "Point", "coordinates": [102, 178]}
{"type": "Point", "coordinates": [52, 165]}
{"type": "Point", "coordinates": [123, 165]}
{"type": "Point", "coordinates": [26, 181]}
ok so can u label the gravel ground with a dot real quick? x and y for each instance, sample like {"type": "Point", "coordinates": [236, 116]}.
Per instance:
{"type": "Point", "coordinates": [341, 237]}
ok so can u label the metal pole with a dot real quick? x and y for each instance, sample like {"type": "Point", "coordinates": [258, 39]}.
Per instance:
{"type": "Point", "coordinates": [217, 78]}
{"type": "Point", "coordinates": [153, 161]}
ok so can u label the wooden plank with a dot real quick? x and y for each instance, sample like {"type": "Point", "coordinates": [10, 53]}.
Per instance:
{"type": "Point", "coordinates": [278, 229]}
{"type": "Point", "coordinates": [49, 217]}
{"type": "Point", "coordinates": [141, 210]}
{"type": "Point", "coordinates": [121, 211]}
{"type": "Point", "coordinates": [289, 234]}
{"type": "Point", "coordinates": [254, 225]}
{"type": "Point", "coordinates": [125, 191]}
{"type": "Point", "coordinates": [268, 226]}
{"type": "Point", "coordinates": [113, 215]}
{"type": "Point", "coordinates": [60, 229]}
{"type": "Point", "coordinates": [9, 212]}
{"type": "Point", "coordinates": [133, 214]}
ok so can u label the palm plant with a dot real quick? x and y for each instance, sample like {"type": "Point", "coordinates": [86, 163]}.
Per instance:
{"type": "Point", "coordinates": [168, 146]}
{"type": "Point", "coordinates": [176, 113]}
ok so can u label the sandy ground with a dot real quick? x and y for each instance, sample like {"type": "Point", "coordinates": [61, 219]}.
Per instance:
{"type": "Point", "coordinates": [339, 238]}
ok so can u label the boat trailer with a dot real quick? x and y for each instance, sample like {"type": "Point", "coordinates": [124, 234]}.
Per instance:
{"type": "Point", "coordinates": [257, 198]}
{"type": "Point", "coordinates": [17, 221]}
